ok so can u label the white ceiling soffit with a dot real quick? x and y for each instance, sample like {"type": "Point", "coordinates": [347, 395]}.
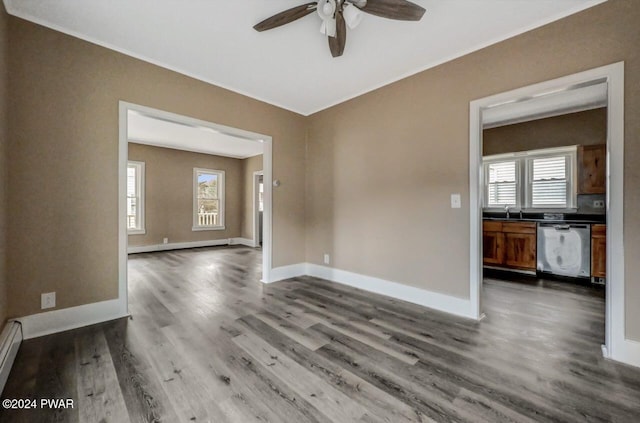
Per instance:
{"type": "Point", "coordinates": [290, 66]}
{"type": "Point", "coordinates": [143, 129]}
{"type": "Point", "coordinates": [545, 106]}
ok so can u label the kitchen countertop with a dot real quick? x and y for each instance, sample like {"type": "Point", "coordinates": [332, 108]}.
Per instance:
{"type": "Point", "coordinates": [539, 218]}
{"type": "Point", "coordinates": [566, 221]}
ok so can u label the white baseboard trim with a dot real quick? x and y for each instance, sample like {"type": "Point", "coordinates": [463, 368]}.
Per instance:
{"type": "Point", "coordinates": [627, 352]}
{"type": "Point", "coordinates": [287, 272]}
{"type": "Point", "coordinates": [177, 246]}
{"type": "Point", "coordinates": [10, 341]}
{"type": "Point", "coordinates": [49, 322]}
{"type": "Point", "coordinates": [449, 304]}
{"type": "Point", "coordinates": [193, 244]}
{"type": "Point", "coordinates": [243, 241]}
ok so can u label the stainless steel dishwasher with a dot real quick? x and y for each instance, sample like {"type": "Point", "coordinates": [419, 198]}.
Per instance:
{"type": "Point", "coordinates": [564, 249]}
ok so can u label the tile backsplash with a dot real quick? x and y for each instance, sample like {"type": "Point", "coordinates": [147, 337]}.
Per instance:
{"type": "Point", "coordinates": [586, 204]}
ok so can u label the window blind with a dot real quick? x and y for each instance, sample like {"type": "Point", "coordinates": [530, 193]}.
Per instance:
{"type": "Point", "coordinates": [502, 184]}
{"type": "Point", "coordinates": [549, 182]}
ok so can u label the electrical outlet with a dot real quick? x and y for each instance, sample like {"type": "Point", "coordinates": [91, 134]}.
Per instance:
{"type": "Point", "coordinates": [48, 300]}
{"type": "Point", "coordinates": [598, 204]}
{"type": "Point", "coordinates": [327, 258]}
{"type": "Point", "coordinates": [165, 240]}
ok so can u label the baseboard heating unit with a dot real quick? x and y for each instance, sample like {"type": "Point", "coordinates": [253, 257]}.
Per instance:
{"type": "Point", "coordinates": [10, 340]}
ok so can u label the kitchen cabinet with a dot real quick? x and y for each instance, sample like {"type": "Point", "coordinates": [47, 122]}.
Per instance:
{"type": "Point", "coordinates": [520, 245]}
{"type": "Point", "coordinates": [598, 251]}
{"type": "Point", "coordinates": [492, 243]}
{"type": "Point", "coordinates": [592, 166]}
{"type": "Point", "coordinates": [510, 245]}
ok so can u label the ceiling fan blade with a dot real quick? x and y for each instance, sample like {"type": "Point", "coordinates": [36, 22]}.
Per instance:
{"type": "Point", "coordinates": [402, 10]}
{"type": "Point", "coordinates": [337, 43]}
{"type": "Point", "coordinates": [286, 17]}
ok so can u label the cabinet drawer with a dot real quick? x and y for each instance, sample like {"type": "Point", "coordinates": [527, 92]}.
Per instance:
{"type": "Point", "coordinates": [519, 227]}
{"type": "Point", "coordinates": [491, 226]}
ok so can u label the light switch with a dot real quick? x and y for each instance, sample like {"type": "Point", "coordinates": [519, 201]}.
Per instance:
{"type": "Point", "coordinates": [456, 202]}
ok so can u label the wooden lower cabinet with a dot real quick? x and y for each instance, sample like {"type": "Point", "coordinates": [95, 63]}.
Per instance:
{"type": "Point", "coordinates": [492, 243]}
{"type": "Point", "coordinates": [599, 251]}
{"type": "Point", "coordinates": [520, 250]}
{"type": "Point", "coordinates": [510, 245]}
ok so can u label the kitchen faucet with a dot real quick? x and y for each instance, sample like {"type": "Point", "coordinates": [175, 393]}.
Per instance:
{"type": "Point", "coordinates": [507, 209]}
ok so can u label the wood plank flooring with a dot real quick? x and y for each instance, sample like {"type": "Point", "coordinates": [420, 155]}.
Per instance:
{"type": "Point", "coordinates": [207, 342]}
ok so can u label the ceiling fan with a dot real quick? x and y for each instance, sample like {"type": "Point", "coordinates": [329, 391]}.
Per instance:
{"type": "Point", "coordinates": [336, 15]}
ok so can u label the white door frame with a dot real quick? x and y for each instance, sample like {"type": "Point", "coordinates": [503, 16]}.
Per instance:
{"type": "Point", "coordinates": [267, 161]}
{"type": "Point", "coordinates": [616, 347]}
{"type": "Point", "coordinates": [256, 209]}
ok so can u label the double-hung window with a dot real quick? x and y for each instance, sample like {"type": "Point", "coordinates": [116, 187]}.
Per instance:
{"type": "Point", "coordinates": [502, 183]}
{"type": "Point", "coordinates": [550, 182]}
{"type": "Point", "coordinates": [208, 199]}
{"type": "Point", "coordinates": [550, 176]}
{"type": "Point", "coordinates": [135, 198]}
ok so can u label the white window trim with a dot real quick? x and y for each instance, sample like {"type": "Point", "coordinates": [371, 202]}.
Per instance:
{"type": "Point", "coordinates": [523, 175]}
{"type": "Point", "coordinates": [221, 195]}
{"type": "Point", "coordinates": [140, 183]}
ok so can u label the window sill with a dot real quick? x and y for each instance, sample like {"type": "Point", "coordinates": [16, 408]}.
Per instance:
{"type": "Point", "coordinates": [208, 228]}
{"type": "Point", "coordinates": [136, 232]}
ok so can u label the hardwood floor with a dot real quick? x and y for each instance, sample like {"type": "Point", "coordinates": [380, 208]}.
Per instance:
{"type": "Point", "coordinates": [208, 342]}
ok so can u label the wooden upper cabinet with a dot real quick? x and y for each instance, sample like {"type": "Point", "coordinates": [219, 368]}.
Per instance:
{"type": "Point", "coordinates": [592, 166]}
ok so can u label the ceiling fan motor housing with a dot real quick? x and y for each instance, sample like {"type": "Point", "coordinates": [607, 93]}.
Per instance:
{"type": "Point", "coordinates": [327, 9]}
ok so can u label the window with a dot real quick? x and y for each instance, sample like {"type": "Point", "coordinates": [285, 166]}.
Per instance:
{"type": "Point", "coordinates": [208, 199]}
{"type": "Point", "coordinates": [261, 195]}
{"type": "Point", "coordinates": [502, 184]}
{"type": "Point", "coordinates": [549, 176]}
{"type": "Point", "coordinates": [549, 182]}
{"type": "Point", "coordinates": [135, 198]}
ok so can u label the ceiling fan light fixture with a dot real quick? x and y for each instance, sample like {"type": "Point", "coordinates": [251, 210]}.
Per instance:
{"type": "Point", "coordinates": [328, 27]}
{"type": "Point", "coordinates": [352, 15]}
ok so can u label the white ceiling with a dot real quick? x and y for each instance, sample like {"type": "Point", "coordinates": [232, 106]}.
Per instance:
{"type": "Point", "coordinates": [290, 66]}
{"type": "Point", "coordinates": [144, 129]}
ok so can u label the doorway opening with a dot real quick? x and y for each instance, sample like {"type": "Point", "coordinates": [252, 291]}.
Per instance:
{"type": "Point", "coordinates": [187, 183]}
{"type": "Point", "coordinates": [258, 208]}
{"type": "Point", "coordinates": [551, 98]}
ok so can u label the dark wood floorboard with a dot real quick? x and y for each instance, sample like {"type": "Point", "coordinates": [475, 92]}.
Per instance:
{"type": "Point", "coordinates": [207, 342]}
